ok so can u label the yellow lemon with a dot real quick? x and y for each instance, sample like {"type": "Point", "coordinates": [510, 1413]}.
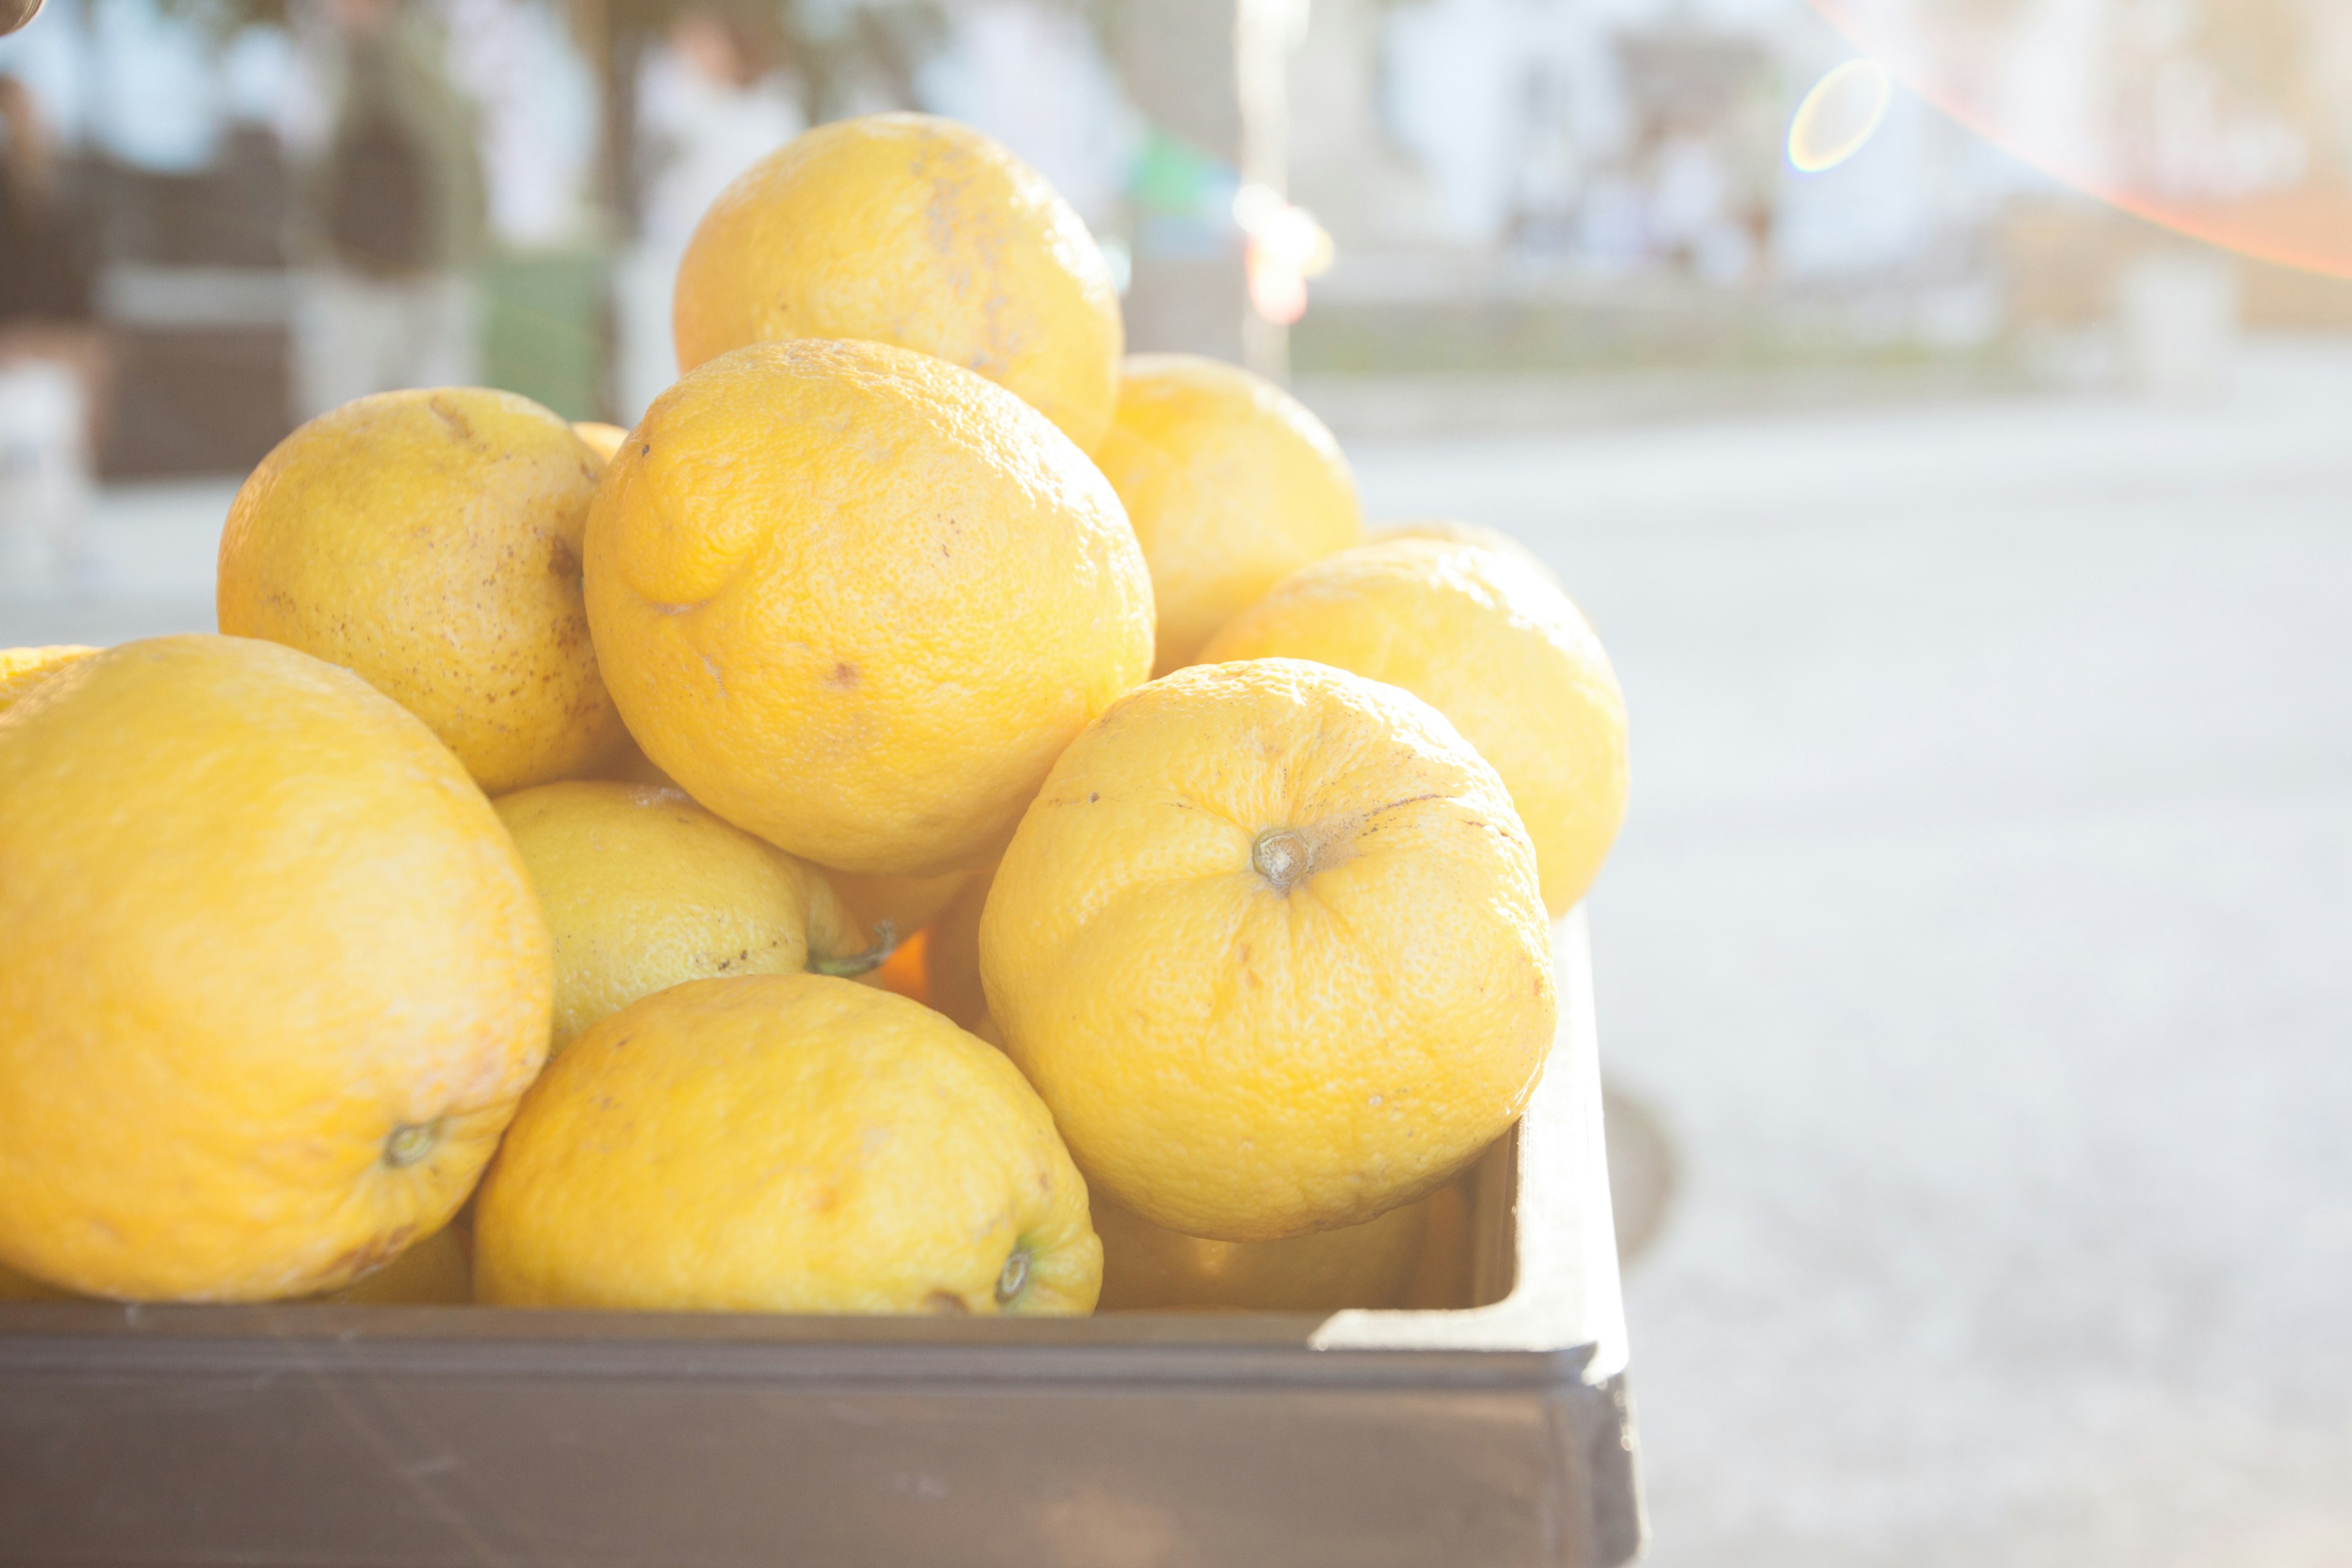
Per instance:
{"type": "Point", "coordinates": [855, 600]}
{"type": "Point", "coordinates": [21, 669]}
{"type": "Point", "coordinates": [1495, 646]}
{"type": "Point", "coordinates": [271, 977]}
{"type": "Point", "coordinates": [784, 1142]}
{"type": "Point", "coordinates": [1271, 946]}
{"type": "Point", "coordinates": [1231, 485]}
{"type": "Point", "coordinates": [430, 541]}
{"type": "Point", "coordinates": [1147, 1268]}
{"type": "Point", "coordinates": [643, 889]}
{"type": "Point", "coordinates": [904, 230]}
{"type": "Point", "coordinates": [599, 437]}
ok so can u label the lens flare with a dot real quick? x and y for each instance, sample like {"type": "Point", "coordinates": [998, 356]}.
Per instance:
{"type": "Point", "coordinates": [1843, 112]}
{"type": "Point", "coordinates": [2218, 119]}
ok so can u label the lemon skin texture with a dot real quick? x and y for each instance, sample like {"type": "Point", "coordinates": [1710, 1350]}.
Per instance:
{"type": "Point", "coordinates": [271, 975]}
{"type": "Point", "coordinates": [22, 668]}
{"type": "Point", "coordinates": [1231, 485]}
{"type": "Point", "coordinates": [915, 231]}
{"type": "Point", "coordinates": [1148, 1269]}
{"type": "Point", "coordinates": [643, 889]}
{"type": "Point", "coordinates": [430, 541]}
{"type": "Point", "coordinates": [786, 1143]}
{"type": "Point", "coordinates": [1495, 646]}
{"type": "Point", "coordinates": [1270, 944]}
{"type": "Point", "coordinates": [855, 600]}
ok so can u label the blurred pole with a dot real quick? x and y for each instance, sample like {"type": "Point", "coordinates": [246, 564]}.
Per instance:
{"type": "Point", "coordinates": [1210, 73]}
{"type": "Point", "coordinates": [1265, 33]}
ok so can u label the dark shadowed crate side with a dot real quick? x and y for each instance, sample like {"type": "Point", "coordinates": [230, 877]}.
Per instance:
{"type": "Point", "coordinates": [1495, 1436]}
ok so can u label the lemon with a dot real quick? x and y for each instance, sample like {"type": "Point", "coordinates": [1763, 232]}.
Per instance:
{"type": "Point", "coordinates": [643, 889]}
{"type": "Point", "coordinates": [1488, 640]}
{"type": "Point", "coordinates": [271, 977]}
{"type": "Point", "coordinates": [855, 600]}
{"type": "Point", "coordinates": [22, 668]}
{"type": "Point", "coordinates": [1270, 944]}
{"type": "Point", "coordinates": [922, 233]}
{"type": "Point", "coordinates": [430, 541]}
{"type": "Point", "coordinates": [1231, 485]}
{"type": "Point", "coordinates": [784, 1142]}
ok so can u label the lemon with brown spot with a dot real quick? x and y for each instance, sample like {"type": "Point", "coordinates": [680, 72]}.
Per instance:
{"type": "Point", "coordinates": [22, 668]}
{"type": "Point", "coordinates": [784, 1144]}
{"type": "Point", "coordinates": [1147, 1268]}
{"type": "Point", "coordinates": [855, 600]}
{"type": "Point", "coordinates": [1231, 485]}
{"type": "Point", "coordinates": [915, 231]}
{"type": "Point", "coordinates": [430, 541]}
{"type": "Point", "coordinates": [1270, 943]}
{"type": "Point", "coordinates": [271, 975]}
{"type": "Point", "coordinates": [1488, 639]}
{"type": "Point", "coordinates": [643, 889]}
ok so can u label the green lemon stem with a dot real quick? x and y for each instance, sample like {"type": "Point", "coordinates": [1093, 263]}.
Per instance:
{"type": "Point", "coordinates": [886, 942]}
{"type": "Point", "coordinates": [410, 1143]}
{"type": "Point", "coordinates": [1281, 857]}
{"type": "Point", "coordinates": [1015, 1277]}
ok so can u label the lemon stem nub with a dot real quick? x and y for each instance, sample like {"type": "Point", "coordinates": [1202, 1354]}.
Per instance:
{"type": "Point", "coordinates": [886, 942]}
{"type": "Point", "coordinates": [410, 1143]}
{"type": "Point", "coordinates": [1281, 857]}
{"type": "Point", "coordinates": [1013, 1277]}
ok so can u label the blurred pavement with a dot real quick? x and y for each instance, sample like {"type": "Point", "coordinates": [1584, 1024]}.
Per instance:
{"type": "Point", "coordinates": [1982, 936]}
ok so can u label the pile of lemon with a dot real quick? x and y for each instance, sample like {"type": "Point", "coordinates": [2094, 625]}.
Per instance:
{"type": "Point", "coordinates": [497, 906]}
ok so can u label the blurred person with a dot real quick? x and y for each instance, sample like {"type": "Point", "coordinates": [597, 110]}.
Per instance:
{"type": "Point", "coordinates": [392, 212]}
{"type": "Point", "coordinates": [713, 98]}
{"type": "Point", "coordinates": [53, 358]}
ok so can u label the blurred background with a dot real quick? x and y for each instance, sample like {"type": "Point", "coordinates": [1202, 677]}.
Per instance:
{"type": "Point", "coordinates": [1940, 405]}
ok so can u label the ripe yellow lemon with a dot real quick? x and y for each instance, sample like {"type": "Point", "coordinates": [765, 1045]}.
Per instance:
{"type": "Point", "coordinates": [1493, 644]}
{"type": "Point", "coordinates": [21, 669]}
{"type": "Point", "coordinates": [1231, 485]}
{"type": "Point", "coordinates": [856, 600]}
{"type": "Point", "coordinates": [1270, 944]}
{"type": "Point", "coordinates": [904, 230]}
{"type": "Point", "coordinates": [1147, 1268]}
{"type": "Point", "coordinates": [784, 1142]}
{"type": "Point", "coordinates": [271, 977]}
{"type": "Point", "coordinates": [430, 541]}
{"type": "Point", "coordinates": [645, 890]}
